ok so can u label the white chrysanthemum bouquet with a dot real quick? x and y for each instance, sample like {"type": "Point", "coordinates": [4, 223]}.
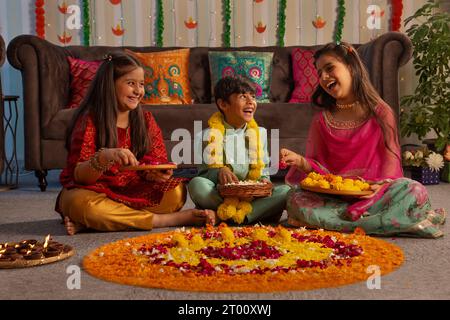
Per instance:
{"type": "Point", "coordinates": [423, 158]}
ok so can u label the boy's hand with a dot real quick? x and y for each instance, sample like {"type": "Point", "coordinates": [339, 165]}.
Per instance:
{"type": "Point", "coordinates": [158, 175]}
{"type": "Point", "coordinates": [291, 158]}
{"type": "Point", "coordinates": [227, 176]}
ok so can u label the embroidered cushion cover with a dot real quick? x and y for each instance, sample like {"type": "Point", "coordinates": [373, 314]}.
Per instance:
{"type": "Point", "coordinates": [257, 66]}
{"type": "Point", "coordinates": [305, 75]}
{"type": "Point", "coordinates": [166, 76]}
{"type": "Point", "coordinates": [82, 73]}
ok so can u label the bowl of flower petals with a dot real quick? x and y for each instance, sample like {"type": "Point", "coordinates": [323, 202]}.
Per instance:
{"type": "Point", "coordinates": [335, 185]}
{"type": "Point", "coordinates": [246, 188]}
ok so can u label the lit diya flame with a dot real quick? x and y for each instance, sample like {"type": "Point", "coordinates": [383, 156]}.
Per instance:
{"type": "Point", "coordinates": [63, 8]}
{"type": "Point", "coordinates": [190, 23]}
{"type": "Point", "coordinates": [118, 31]}
{"type": "Point", "coordinates": [47, 239]}
{"type": "Point", "coordinates": [28, 252]}
{"type": "Point", "coordinates": [64, 38]}
{"type": "Point", "coordinates": [319, 23]}
{"type": "Point", "coordinates": [260, 27]}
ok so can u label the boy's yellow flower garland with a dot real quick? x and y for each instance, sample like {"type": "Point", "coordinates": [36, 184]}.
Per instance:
{"type": "Point", "coordinates": [232, 207]}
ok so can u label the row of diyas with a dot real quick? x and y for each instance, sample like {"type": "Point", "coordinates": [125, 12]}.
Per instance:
{"type": "Point", "coordinates": [31, 250]}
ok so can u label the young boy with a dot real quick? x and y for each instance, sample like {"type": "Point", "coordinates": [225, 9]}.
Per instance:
{"type": "Point", "coordinates": [234, 155]}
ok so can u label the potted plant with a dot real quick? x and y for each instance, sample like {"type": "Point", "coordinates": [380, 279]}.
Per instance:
{"type": "Point", "coordinates": [428, 109]}
{"type": "Point", "coordinates": [424, 164]}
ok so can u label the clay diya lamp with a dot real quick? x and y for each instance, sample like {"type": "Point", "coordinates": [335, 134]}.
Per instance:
{"type": "Point", "coordinates": [51, 251]}
{"type": "Point", "coordinates": [56, 245]}
{"type": "Point", "coordinates": [4, 258]}
{"type": "Point", "coordinates": [14, 256]}
{"type": "Point", "coordinates": [33, 255]}
{"type": "Point", "coordinates": [29, 242]}
{"type": "Point", "coordinates": [8, 250]}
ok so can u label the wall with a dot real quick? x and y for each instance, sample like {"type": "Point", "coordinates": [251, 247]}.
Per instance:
{"type": "Point", "coordinates": [137, 17]}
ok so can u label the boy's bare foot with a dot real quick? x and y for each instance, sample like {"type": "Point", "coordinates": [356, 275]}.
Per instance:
{"type": "Point", "coordinates": [188, 217]}
{"type": "Point", "coordinates": [209, 216]}
{"type": "Point", "coordinates": [72, 227]}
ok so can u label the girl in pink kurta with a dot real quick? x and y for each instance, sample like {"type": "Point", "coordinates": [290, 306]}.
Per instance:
{"type": "Point", "coordinates": [356, 136]}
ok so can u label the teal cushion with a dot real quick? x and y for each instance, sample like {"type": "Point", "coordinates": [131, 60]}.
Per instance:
{"type": "Point", "coordinates": [257, 66]}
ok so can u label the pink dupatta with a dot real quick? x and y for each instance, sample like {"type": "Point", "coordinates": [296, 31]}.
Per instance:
{"type": "Point", "coordinates": [354, 152]}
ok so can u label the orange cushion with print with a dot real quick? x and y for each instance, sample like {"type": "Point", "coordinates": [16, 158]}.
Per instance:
{"type": "Point", "coordinates": [166, 76]}
{"type": "Point", "coordinates": [82, 73]}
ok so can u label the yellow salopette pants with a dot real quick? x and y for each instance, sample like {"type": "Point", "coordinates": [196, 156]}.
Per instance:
{"type": "Point", "coordinates": [96, 211]}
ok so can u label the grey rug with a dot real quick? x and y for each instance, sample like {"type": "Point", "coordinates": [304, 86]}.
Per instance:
{"type": "Point", "coordinates": [27, 213]}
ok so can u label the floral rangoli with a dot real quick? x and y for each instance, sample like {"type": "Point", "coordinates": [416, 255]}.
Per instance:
{"type": "Point", "coordinates": [243, 259]}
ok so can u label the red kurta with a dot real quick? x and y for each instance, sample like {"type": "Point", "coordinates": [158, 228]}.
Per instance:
{"type": "Point", "coordinates": [128, 186]}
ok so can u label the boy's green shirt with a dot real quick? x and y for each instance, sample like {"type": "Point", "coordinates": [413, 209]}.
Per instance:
{"type": "Point", "coordinates": [235, 153]}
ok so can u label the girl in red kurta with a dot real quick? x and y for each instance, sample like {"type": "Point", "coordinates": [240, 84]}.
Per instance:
{"type": "Point", "coordinates": [110, 130]}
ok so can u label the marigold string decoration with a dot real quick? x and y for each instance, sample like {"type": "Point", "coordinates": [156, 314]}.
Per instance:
{"type": "Point", "coordinates": [40, 18]}
{"type": "Point", "coordinates": [339, 21]}
{"type": "Point", "coordinates": [281, 22]}
{"type": "Point", "coordinates": [397, 8]}
{"type": "Point", "coordinates": [243, 259]}
{"type": "Point", "coordinates": [86, 23]}
{"type": "Point", "coordinates": [159, 23]}
{"type": "Point", "coordinates": [227, 23]}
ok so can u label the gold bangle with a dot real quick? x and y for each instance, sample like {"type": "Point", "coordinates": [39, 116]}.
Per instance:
{"type": "Point", "coordinates": [95, 164]}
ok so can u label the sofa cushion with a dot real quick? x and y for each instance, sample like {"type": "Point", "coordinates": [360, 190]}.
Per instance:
{"type": "Point", "coordinates": [257, 66]}
{"type": "Point", "coordinates": [305, 75]}
{"type": "Point", "coordinates": [166, 76]}
{"type": "Point", "coordinates": [81, 75]}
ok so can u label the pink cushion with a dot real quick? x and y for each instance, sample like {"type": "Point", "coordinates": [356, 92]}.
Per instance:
{"type": "Point", "coordinates": [305, 75]}
{"type": "Point", "coordinates": [82, 73]}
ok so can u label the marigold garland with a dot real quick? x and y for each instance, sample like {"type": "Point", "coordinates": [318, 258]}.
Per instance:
{"type": "Point", "coordinates": [397, 8]}
{"type": "Point", "coordinates": [245, 259]}
{"type": "Point", "coordinates": [281, 22]}
{"type": "Point", "coordinates": [40, 18]}
{"type": "Point", "coordinates": [86, 24]}
{"type": "Point", "coordinates": [160, 23]}
{"type": "Point", "coordinates": [232, 207]}
{"type": "Point", "coordinates": [227, 23]}
{"type": "Point", "coordinates": [340, 21]}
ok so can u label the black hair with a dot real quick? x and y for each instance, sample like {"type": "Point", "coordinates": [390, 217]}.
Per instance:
{"type": "Point", "coordinates": [227, 86]}
{"type": "Point", "coordinates": [101, 104]}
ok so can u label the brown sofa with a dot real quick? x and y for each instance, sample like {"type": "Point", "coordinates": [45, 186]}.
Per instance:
{"type": "Point", "coordinates": [46, 78]}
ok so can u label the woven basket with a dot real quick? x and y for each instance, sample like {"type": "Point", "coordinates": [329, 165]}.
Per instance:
{"type": "Point", "coordinates": [243, 191]}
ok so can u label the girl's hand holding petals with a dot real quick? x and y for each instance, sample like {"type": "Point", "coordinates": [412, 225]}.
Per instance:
{"type": "Point", "coordinates": [120, 156]}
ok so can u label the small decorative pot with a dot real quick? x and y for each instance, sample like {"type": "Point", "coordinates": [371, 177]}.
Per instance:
{"type": "Point", "coordinates": [425, 175]}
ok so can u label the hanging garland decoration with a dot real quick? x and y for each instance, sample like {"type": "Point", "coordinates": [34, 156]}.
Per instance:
{"type": "Point", "coordinates": [281, 22]}
{"type": "Point", "coordinates": [227, 26]}
{"type": "Point", "coordinates": [340, 21]}
{"type": "Point", "coordinates": [159, 23]}
{"type": "Point", "coordinates": [86, 23]}
{"type": "Point", "coordinates": [40, 18]}
{"type": "Point", "coordinates": [397, 8]}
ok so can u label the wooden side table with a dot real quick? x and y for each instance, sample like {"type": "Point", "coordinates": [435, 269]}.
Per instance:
{"type": "Point", "coordinates": [9, 179]}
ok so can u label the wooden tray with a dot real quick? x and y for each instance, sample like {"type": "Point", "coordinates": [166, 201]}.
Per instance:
{"type": "Point", "coordinates": [150, 167]}
{"type": "Point", "coordinates": [22, 263]}
{"type": "Point", "coordinates": [337, 192]}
